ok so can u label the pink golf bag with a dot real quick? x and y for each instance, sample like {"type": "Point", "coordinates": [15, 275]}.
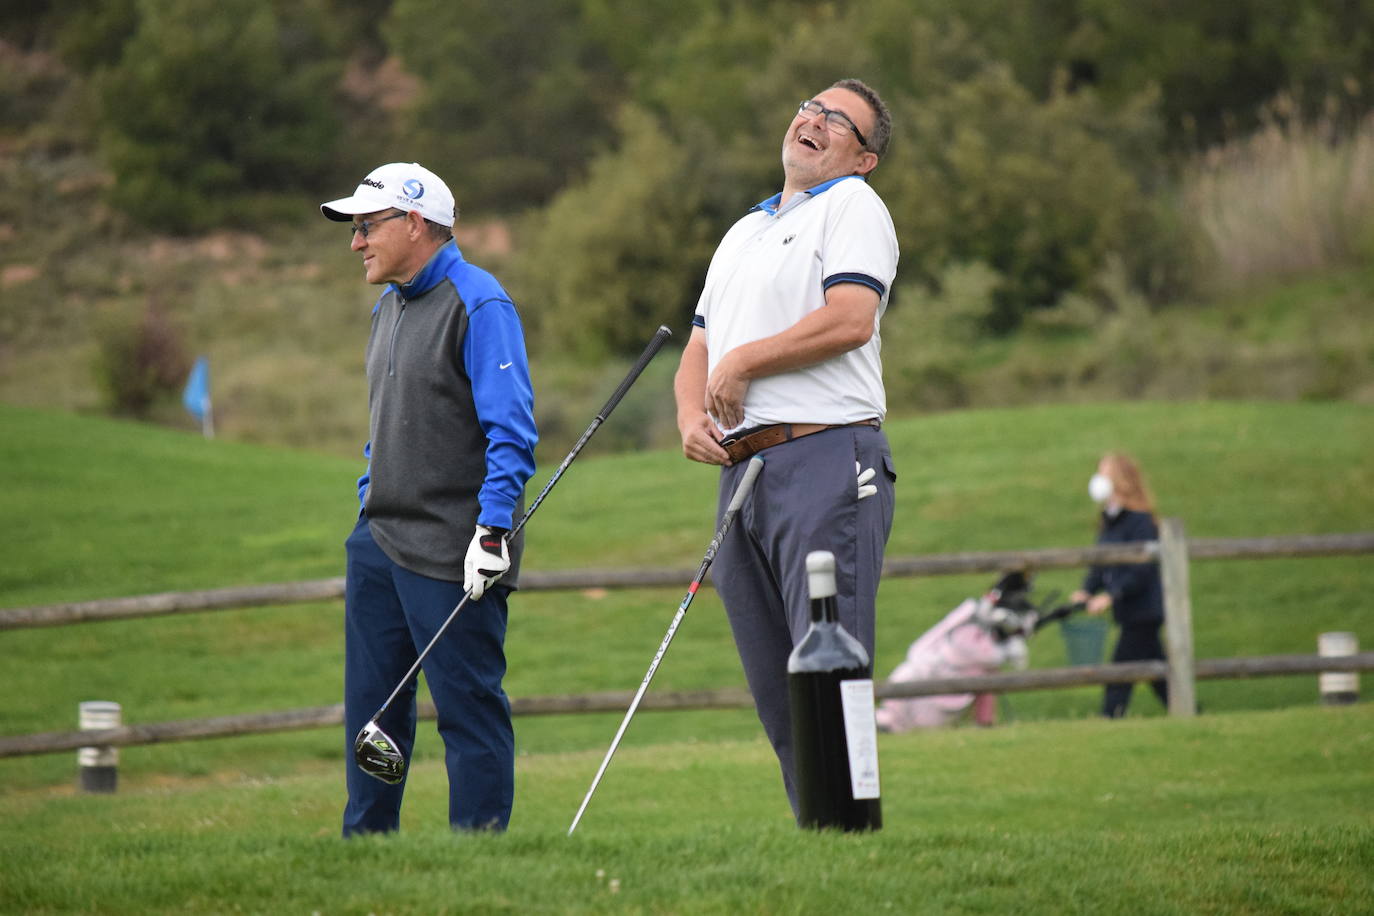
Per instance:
{"type": "Point", "coordinates": [980, 636]}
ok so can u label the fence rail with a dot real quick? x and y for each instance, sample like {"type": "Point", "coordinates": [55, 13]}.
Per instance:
{"type": "Point", "coordinates": [221, 599]}
{"type": "Point", "coordinates": [720, 698]}
{"type": "Point", "coordinates": [1173, 552]}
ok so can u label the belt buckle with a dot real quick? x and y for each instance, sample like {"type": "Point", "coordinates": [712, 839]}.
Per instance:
{"type": "Point", "coordinates": [737, 440]}
{"type": "Point", "coordinates": [738, 436]}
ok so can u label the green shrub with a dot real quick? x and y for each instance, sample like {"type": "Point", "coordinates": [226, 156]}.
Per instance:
{"type": "Point", "coordinates": [626, 251]}
{"type": "Point", "coordinates": [141, 360]}
{"type": "Point", "coordinates": [983, 173]}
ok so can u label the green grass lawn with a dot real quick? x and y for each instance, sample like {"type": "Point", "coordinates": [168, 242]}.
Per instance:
{"type": "Point", "coordinates": [1240, 813]}
{"type": "Point", "coordinates": [1261, 805]}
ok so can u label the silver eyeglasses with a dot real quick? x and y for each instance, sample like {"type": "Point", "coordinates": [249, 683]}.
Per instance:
{"type": "Point", "coordinates": [368, 225]}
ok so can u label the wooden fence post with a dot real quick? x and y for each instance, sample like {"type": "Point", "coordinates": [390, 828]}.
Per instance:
{"type": "Point", "coordinates": [1178, 617]}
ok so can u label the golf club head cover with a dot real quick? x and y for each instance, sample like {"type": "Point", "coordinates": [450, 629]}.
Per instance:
{"type": "Point", "coordinates": [487, 560]}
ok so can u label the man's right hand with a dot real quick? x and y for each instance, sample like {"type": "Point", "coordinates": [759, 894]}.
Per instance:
{"type": "Point", "coordinates": [487, 559]}
{"type": "Point", "coordinates": [699, 442]}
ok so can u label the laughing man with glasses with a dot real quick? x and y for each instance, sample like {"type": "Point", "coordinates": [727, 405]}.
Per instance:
{"type": "Point", "coordinates": [784, 356]}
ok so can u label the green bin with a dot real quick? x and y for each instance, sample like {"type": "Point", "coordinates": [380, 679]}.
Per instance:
{"type": "Point", "coordinates": [1085, 638]}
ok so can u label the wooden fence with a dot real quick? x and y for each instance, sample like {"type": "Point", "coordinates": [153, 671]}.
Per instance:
{"type": "Point", "coordinates": [720, 698]}
{"type": "Point", "coordinates": [222, 599]}
{"type": "Point", "coordinates": [1172, 551]}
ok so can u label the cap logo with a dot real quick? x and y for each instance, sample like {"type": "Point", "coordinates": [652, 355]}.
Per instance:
{"type": "Point", "coordinates": [414, 190]}
{"type": "Point", "coordinates": [373, 183]}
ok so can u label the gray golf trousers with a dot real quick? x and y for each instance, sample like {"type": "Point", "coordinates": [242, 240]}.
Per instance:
{"type": "Point", "coordinates": [805, 499]}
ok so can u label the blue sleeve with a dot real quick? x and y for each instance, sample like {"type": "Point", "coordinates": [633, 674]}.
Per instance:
{"type": "Point", "coordinates": [498, 368]}
{"type": "Point", "coordinates": [364, 480]}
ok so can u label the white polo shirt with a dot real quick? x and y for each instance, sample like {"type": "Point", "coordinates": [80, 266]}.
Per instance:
{"type": "Point", "coordinates": [772, 269]}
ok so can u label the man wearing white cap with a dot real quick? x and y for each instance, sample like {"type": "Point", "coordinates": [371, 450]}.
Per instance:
{"type": "Point", "coordinates": [451, 447]}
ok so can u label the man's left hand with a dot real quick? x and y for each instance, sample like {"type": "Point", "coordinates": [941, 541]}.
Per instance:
{"type": "Point", "coordinates": [487, 560]}
{"type": "Point", "coordinates": [725, 391]}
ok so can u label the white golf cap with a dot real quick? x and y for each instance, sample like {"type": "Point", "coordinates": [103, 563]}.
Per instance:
{"type": "Point", "coordinates": [402, 185]}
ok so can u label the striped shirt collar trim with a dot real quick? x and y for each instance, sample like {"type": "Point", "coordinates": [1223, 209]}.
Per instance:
{"type": "Point", "coordinates": [770, 206]}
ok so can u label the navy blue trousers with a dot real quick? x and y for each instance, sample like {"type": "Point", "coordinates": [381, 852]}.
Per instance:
{"type": "Point", "coordinates": [1137, 644]}
{"type": "Point", "coordinates": [390, 614]}
{"type": "Point", "coordinates": [805, 499]}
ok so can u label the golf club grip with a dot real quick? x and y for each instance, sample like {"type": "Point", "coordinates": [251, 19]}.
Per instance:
{"type": "Point", "coordinates": [742, 490]}
{"type": "Point", "coordinates": [746, 483]}
{"type": "Point", "coordinates": [660, 337]}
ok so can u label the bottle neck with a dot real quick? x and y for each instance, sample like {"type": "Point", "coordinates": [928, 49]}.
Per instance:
{"type": "Point", "coordinates": [824, 610]}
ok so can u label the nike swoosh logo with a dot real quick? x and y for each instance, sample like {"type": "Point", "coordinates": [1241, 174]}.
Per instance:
{"type": "Point", "coordinates": [507, 365]}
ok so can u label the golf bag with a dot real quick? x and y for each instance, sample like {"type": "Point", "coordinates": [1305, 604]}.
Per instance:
{"type": "Point", "coordinates": [980, 636]}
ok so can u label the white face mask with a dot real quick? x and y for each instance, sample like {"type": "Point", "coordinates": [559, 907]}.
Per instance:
{"type": "Point", "coordinates": [1100, 488]}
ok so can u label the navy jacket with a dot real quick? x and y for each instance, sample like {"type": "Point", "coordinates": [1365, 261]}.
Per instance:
{"type": "Point", "coordinates": [1136, 590]}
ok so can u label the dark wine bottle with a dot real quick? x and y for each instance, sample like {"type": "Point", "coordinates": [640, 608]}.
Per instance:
{"type": "Point", "coordinates": [834, 734]}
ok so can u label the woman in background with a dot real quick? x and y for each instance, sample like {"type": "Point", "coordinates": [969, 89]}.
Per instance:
{"type": "Point", "coordinates": [1132, 591]}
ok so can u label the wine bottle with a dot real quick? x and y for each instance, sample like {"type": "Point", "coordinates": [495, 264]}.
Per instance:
{"type": "Point", "coordinates": [834, 734]}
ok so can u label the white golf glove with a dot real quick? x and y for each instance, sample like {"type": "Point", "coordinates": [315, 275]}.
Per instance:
{"type": "Point", "coordinates": [866, 489]}
{"type": "Point", "coordinates": [488, 558]}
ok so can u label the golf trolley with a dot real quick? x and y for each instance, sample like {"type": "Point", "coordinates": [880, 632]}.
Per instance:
{"type": "Point", "coordinates": [981, 636]}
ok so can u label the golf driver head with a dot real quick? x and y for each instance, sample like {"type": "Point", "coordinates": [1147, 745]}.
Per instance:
{"type": "Point", "coordinates": [377, 755]}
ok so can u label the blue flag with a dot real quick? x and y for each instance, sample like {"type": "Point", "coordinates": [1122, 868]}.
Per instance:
{"type": "Point", "coordinates": [196, 397]}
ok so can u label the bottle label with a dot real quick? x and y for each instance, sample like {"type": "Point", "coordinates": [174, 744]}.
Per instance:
{"type": "Point", "coordinates": [861, 734]}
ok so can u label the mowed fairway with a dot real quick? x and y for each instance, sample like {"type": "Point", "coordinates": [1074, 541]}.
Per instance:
{"type": "Point", "coordinates": [1256, 812]}
{"type": "Point", "coordinates": [1263, 804]}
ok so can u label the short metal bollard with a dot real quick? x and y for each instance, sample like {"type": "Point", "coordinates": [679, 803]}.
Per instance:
{"type": "Point", "coordinates": [1338, 687]}
{"type": "Point", "coordinates": [98, 766]}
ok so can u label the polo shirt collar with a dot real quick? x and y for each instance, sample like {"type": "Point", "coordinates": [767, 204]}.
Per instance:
{"type": "Point", "coordinates": [435, 269]}
{"type": "Point", "coordinates": [770, 206]}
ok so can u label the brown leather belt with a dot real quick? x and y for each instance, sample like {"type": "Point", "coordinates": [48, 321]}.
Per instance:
{"type": "Point", "coordinates": [750, 442]}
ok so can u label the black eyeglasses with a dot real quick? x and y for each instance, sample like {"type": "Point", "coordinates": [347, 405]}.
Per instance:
{"type": "Point", "coordinates": [367, 225]}
{"type": "Point", "coordinates": [837, 121]}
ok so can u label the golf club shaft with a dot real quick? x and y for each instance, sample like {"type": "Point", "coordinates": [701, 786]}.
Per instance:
{"type": "Point", "coordinates": [659, 338]}
{"type": "Point", "coordinates": [1063, 612]}
{"type": "Point", "coordinates": [741, 492]}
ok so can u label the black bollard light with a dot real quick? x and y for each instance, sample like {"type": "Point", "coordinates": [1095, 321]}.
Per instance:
{"type": "Point", "coordinates": [834, 733]}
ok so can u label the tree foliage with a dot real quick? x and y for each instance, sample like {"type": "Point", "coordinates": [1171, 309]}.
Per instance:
{"type": "Point", "coordinates": [216, 106]}
{"type": "Point", "coordinates": [1031, 137]}
{"type": "Point", "coordinates": [1216, 64]}
{"type": "Point", "coordinates": [1041, 191]}
{"type": "Point", "coordinates": [516, 95]}
{"type": "Point", "coordinates": [623, 251]}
